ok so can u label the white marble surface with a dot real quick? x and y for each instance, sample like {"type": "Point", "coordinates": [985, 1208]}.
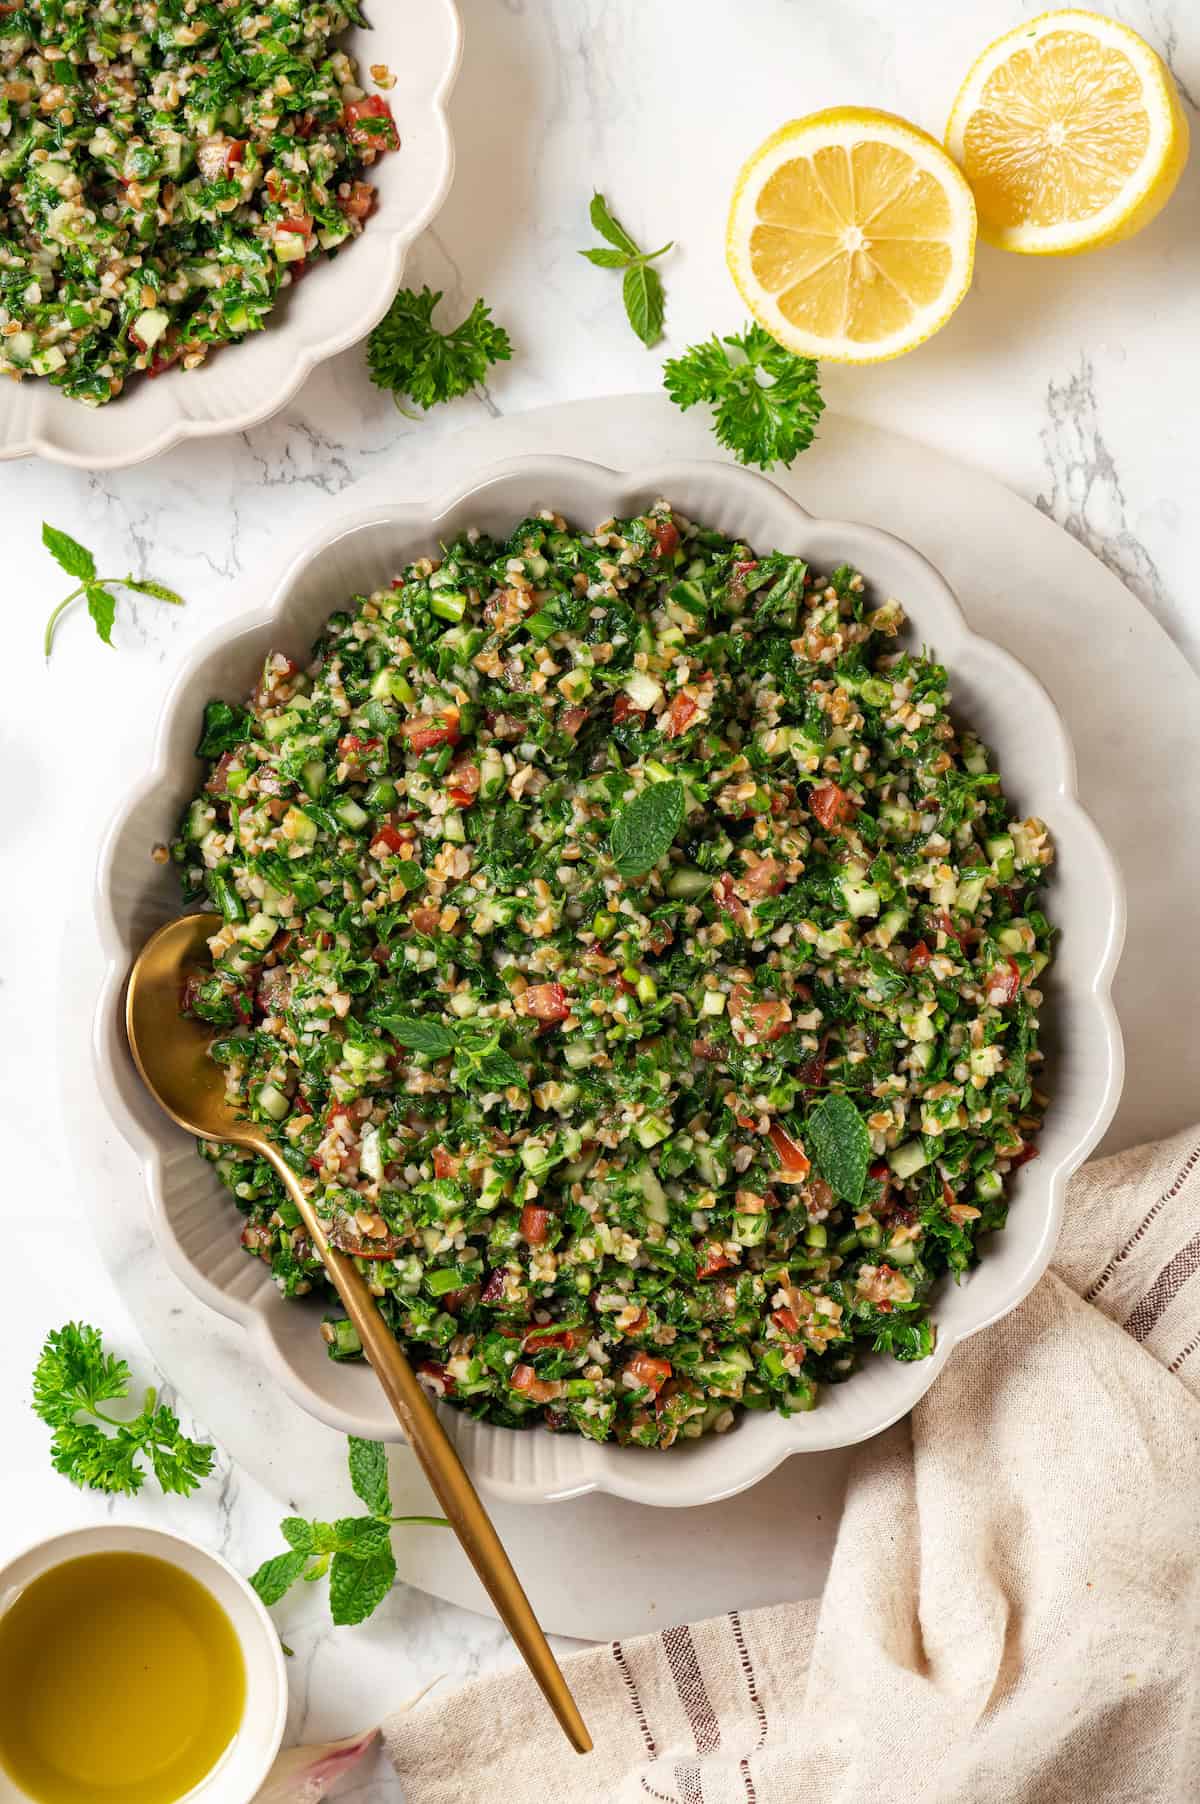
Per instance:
{"type": "Point", "coordinates": [1075, 382]}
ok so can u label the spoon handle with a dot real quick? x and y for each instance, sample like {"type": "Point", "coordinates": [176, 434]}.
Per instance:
{"type": "Point", "coordinates": [442, 1466]}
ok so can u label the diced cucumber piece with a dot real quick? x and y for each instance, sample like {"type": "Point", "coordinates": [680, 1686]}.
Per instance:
{"type": "Point", "coordinates": [861, 899]}
{"type": "Point", "coordinates": [685, 882]}
{"type": "Point", "coordinates": [713, 1002]}
{"type": "Point", "coordinates": [970, 894]}
{"type": "Point", "coordinates": [312, 776]}
{"type": "Point", "coordinates": [298, 828]}
{"type": "Point", "coordinates": [642, 690]}
{"type": "Point", "coordinates": [258, 932]}
{"type": "Point", "coordinates": [273, 1101]}
{"type": "Point", "coordinates": [989, 1185]}
{"type": "Point", "coordinates": [350, 814]}
{"type": "Point", "coordinates": [650, 1130]}
{"type": "Point", "coordinates": [149, 327]}
{"type": "Point", "coordinates": [43, 363]}
{"type": "Point", "coordinates": [751, 1230]}
{"type": "Point", "coordinates": [907, 1159]}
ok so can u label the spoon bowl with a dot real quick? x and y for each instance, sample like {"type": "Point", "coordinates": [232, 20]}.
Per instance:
{"type": "Point", "coordinates": [171, 1052]}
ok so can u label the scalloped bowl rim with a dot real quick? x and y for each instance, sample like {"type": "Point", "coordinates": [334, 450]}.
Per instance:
{"type": "Point", "coordinates": [574, 1465]}
{"type": "Point", "coordinates": [337, 319]}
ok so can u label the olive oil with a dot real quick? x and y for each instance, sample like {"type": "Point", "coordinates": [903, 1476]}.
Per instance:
{"type": "Point", "coordinates": [121, 1678]}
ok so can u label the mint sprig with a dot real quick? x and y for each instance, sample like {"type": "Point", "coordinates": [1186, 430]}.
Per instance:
{"type": "Point", "coordinates": [78, 561]}
{"type": "Point", "coordinates": [837, 1137]}
{"type": "Point", "coordinates": [355, 1551]}
{"type": "Point", "coordinates": [642, 289]}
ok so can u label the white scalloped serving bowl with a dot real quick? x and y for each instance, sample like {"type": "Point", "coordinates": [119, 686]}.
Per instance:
{"type": "Point", "coordinates": [196, 1222]}
{"type": "Point", "coordinates": [421, 42]}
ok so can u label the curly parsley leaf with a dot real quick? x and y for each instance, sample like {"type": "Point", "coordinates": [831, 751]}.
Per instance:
{"type": "Point", "coordinates": [224, 727]}
{"type": "Point", "coordinates": [407, 354]}
{"type": "Point", "coordinates": [644, 829]}
{"type": "Point", "coordinates": [766, 400]}
{"type": "Point", "coordinates": [841, 1146]}
{"type": "Point", "coordinates": [78, 561]}
{"type": "Point", "coordinates": [642, 289]}
{"type": "Point", "coordinates": [73, 1376]}
{"type": "Point", "coordinates": [355, 1551]}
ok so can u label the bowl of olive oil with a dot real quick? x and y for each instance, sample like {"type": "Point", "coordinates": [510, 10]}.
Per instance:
{"type": "Point", "coordinates": [134, 1666]}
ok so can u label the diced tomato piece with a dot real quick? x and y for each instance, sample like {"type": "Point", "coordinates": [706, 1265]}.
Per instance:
{"type": "Point", "coordinates": [651, 1372]}
{"type": "Point", "coordinates": [947, 1194]}
{"type": "Point", "coordinates": [539, 1340]}
{"type": "Point", "coordinates": [812, 1075]}
{"type": "Point", "coordinates": [725, 899]}
{"type": "Point", "coordinates": [666, 538]}
{"type": "Point", "coordinates": [360, 202]}
{"type": "Point", "coordinates": [715, 1260]}
{"type": "Point", "coordinates": [919, 957]}
{"type": "Point", "coordinates": [464, 780]}
{"type": "Point", "coordinates": [832, 806]}
{"type": "Point", "coordinates": [535, 1224]}
{"type": "Point", "coordinates": [425, 920]}
{"type": "Point", "coordinates": [1027, 1152]}
{"type": "Point", "coordinates": [744, 568]}
{"type": "Point", "coordinates": [544, 1001]}
{"type": "Point", "coordinates": [445, 1165]}
{"type": "Point", "coordinates": [424, 731]}
{"type": "Point", "coordinates": [762, 878]}
{"type": "Point", "coordinates": [235, 154]}
{"type": "Point", "coordinates": [493, 1290]}
{"type": "Point", "coordinates": [437, 1378]}
{"type": "Point", "coordinates": [163, 360]}
{"type": "Point", "coordinates": [357, 117]}
{"type": "Point", "coordinates": [300, 222]}
{"type": "Point", "coordinates": [637, 1324]}
{"type": "Point", "coordinates": [351, 746]}
{"type": "Point", "coordinates": [679, 716]}
{"type": "Point", "coordinates": [571, 719]}
{"type": "Point", "coordinates": [624, 709]}
{"type": "Point", "coordinates": [785, 1321]}
{"type": "Point", "coordinates": [760, 1020]}
{"type": "Point", "coordinates": [795, 1164]}
{"type": "Point", "coordinates": [538, 1390]}
{"type": "Point", "coordinates": [1004, 984]}
{"type": "Point", "coordinates": [218, 782]}
{"type": "Point", "coordinates": [388, 839]}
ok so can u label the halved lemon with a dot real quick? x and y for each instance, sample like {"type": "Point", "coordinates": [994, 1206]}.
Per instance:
{"type": "Point", "coordinates": [1070, 132]}
{"type": "Point", "coordinates": [851, 235]}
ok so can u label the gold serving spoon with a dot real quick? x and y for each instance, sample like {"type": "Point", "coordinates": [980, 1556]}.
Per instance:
{"type": "Point", "coordinates": [171, 1053]}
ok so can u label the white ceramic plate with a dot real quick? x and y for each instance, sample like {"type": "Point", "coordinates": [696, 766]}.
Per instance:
{"type": "Point", "coordinates": [195, 1222]}
{"type": "Point", "coordinates": [421, 42]}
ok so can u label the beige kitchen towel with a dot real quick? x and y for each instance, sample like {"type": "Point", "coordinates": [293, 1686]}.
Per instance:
{"type": "Point", "coordinates": [1013, 1608]}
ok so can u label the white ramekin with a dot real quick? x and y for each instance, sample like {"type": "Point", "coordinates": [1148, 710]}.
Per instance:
{"type": "Point", "coordinates": [238, 1775]}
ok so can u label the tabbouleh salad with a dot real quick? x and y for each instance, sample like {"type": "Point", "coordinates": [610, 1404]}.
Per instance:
{"type": "Point", "coordinates": [636, 961]}
{"type": "Point", "coordinates": [167, 169]}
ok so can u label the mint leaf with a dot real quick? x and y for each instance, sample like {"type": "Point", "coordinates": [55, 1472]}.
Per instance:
{"type": "Point", "coordinates": [75, 558]}
{"type": "Point", "coordinates": [643, 831]}
{"type": "Point", "coordinates": [277, 1576]}
{"type": "Point", "coordinates": [836, 1135]}
{"type": "Point", "coordinates": [298, 1534]}
{"type": "Point", "coordinates": [369, 1475]}
{"type": "Point", "coordinates": [429, 1037]}
{"type": "Point", "coordinates": [103, 610]}
{"type": "Point", "coordinates": [607, 259]}
{"type": "Point", "coordinates": [643, 295]}
{"type": "Point", "coordinates": [357, 1587]}
{"type": "Point", "coordinates": [497, 1070]}
{"type": "Point", "coordinates": [609, 228]}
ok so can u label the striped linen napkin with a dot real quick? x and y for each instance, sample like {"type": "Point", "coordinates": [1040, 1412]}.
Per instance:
{"type": "Point", "coordinates": [1013, 1608]}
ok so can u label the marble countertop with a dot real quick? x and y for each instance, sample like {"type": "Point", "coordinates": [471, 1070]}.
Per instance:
{"type": "Point", "coordinates": [1072, 381]}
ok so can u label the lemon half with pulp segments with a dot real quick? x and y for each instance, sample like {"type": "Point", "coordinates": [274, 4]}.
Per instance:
{"type": "Point", "coordinates": [851, 235]}
{"type": "Point", "coordinates": [1070, 132]}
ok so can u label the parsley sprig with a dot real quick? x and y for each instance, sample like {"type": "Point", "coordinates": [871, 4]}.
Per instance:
{"type": "Point", "coordinates": [642, 289]}
{"type": "Point", "coordinates": [78, 561]}
{"type": "Point", "coordinates": [766, 400]}
{"type": "Point", "coordinates": [73, 1377]}
{"type": "Point", "coordinates": [356, 1551]}
{"type": "Point", "coordinates": [407, 354]}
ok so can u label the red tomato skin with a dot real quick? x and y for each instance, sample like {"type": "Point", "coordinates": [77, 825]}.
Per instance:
{"type": "Point", "coordinates": [832, 806]}
{"type": "Point", "coordinates": [535, 1224]}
